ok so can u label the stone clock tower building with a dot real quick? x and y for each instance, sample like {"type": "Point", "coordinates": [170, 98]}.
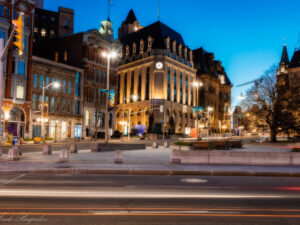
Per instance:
{"type": "Point", "coordinates": [157, 68]}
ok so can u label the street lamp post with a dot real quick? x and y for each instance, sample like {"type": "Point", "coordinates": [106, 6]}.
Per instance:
{"type": "Point", "coordinates": [56, 85]}
{"type": "Point", "coordinates": [197, 85]}
{"type": "Point", "coordinates": [208, 110]}
{"type": "Point", "coordinates": [134, 98]}
{"type": "Point", "coordinates": [108, 56]}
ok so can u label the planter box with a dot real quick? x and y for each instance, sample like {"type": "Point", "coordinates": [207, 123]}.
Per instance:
{"type": "Point", "coordinates": [182, 147]}
{"type": "Point", "coordinates": [236, 158]}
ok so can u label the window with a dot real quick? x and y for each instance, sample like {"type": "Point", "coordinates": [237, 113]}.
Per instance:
{"type": "Point", "coordinates": [52, 104]}
{"type": "Point", "coordinates": [24, 44]}
{"type": "Point", "coordinates": [125, 87]}
{"type": "Point", "coordinates": [140, 84]}
{"type": "Point", "coordinates": [20, 92]}
{"type": "Point", "coordinates": [36, 30]}
{"type": "Point", "coordinates": [34, 102]}
{"type": "Point", "coordinates": [77, 107]}
{"type": "Point", "coordinates": [35, 78]}
{"type": "Point", "coordinates": [53, 80]}
{"type": "Point", "coordinates": [175, 87]}
{"type": "Point", "coordinates": [100, 76]}
{"type": "Point", "coordinates": [66, 23]}
{"type": "Point", "coordinates": [1, 10]}
{"type": "Point", "coordinates": [43, 32]}
{"type": "Point", "coordinates": [59, 87]}
{"type": "Point", "coordinates": [69, 106]}
{"type": "Point", "coordinates": [186, 89]}
{"type": "Point", "coordinates": [52, 33]}
{"type": "Point", "coordinates": [41, 81]}
{"type": "Point", "coordinates": [21, 67]}
{"type": "Point", "coordinates": [132, 83]}
{"type": "Point", "coordinates": [63, 105]}
{"type": "Point", "coordinates": [13, 65]}
{"type": "Point", "coordinates": [64, 86]}
{"type": "Point", "coordinates": [7, 14]}
{"type": "Point", "coordinates": [69, 87]}
{"type": "Point", "coordinates": [77, 80]}
{"type": "Point", "coordinates": [147, 82]}
{"type": "Point", "coordinates": [180, 83]}
{"type": "Point", "coordinates": [2, 35]}
{"type": "Point", "coordinates": [119, 80]}
{"type": "Point", "coordinates": [52, 19]}
{"type": "Point", "coordinates": [65, 56]}
{"type": "Point", "coordinates": [87, 118]}
{"type": "Point", "coordinates": [96, 76]}
{"type": "Point", "coordinates": [56, 57]}
{"type": "Point", "coordinates": [169, 84]}
{"type": "Point", "coordinates": [47, 82]}
{"type": "Point", "coordinates": [57, 103]}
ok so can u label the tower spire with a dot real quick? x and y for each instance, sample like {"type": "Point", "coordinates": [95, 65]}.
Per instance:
{"type": "Point", "coordinates": [108, 9]}
{"type": "Point", "coordinates": [158, 10]}
{"type": "Point", "coordinates": [284, 56]}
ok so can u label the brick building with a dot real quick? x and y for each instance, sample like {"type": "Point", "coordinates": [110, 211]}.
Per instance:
{"type": "Point", "coordinates": [215, 92]}
{"type": "Point", "coordinates": [63, 109]}
{"type": "Point", "coordinates": [16, 69]}
{"type": "Point", "coordinates": [84, 50]}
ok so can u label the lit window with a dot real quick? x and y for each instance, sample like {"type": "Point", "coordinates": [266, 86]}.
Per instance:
{"type": "Point", "coordinates": [134, 48]}
{"type": "Point", "coordinates": [65, 55]}
{"type": "Point", "coordinates": [149, 42]}
{"type": "Point", "coordinates": [20, 92]}
{"type": "Point", "coordinates": [36, 30]}
{"type": "Point", "coordinates": [56, 56]}
{"type": "Point", "coordinates": [43, 32]}
{"type": "Point", "coordinates": [87, 118]}
{"type": "Point", "coordinates": [222, 78]}
{"type": "Point", "coordinates": [127, 50]}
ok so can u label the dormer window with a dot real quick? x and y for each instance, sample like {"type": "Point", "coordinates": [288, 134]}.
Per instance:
{"type": "Point", "coordinates": [168, 42]}
{"type": "Point", "coordinates": [174, 46]}
{"type": "Point", "coordinates": [134, 48]}
{"type": "Point", "coordinates": [149, 42]}
{"type": "Point", "coordinates": [185, 52]}
{"type": "Point", "coordinates": [180, 49]}
{"type": "Point", "coordinates": [141, 45]}
{"type": "Point", "coordinates": [127, 50]}
{"type": "Point", "coordinates": [191, 55]}
{"type": "Point", "coordinates": [222, 79]}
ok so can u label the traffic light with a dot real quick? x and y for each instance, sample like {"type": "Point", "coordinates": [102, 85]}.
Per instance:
{"type": "Point", "coordinates": [19, 33]}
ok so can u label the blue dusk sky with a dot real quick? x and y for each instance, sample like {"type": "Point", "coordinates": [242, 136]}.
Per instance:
{"type": "Point", "coordinates": [246, 35]}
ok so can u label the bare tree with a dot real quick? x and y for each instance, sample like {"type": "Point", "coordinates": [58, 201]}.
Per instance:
{"type": "Point", "coordinates": [268, 102]}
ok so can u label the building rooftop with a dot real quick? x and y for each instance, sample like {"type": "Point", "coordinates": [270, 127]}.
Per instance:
{"type": "Point", "coordinates": [158, 32]}
{"type": "Point", "coordinates": [295, 62]}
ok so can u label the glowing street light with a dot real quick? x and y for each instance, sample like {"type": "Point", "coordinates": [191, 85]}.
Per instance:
{"type": "Point", "coordinates": [108, 55]}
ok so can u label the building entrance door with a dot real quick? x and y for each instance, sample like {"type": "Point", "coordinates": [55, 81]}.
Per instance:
{"type": "Point", "coordinates": [16, 122]}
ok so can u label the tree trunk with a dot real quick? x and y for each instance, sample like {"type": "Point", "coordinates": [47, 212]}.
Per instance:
{"type": "Point", "coordinates": [273, 135]}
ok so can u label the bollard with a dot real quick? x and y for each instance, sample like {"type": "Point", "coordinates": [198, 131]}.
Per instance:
{"type": "Point", "coordinates": [154, 145]}
{"type": "Point", "coordinates": [13, 154]}
{"type": "Point", "coordinates": [118, 157]}
{"type": "Point", "coordinates": [64, 155]}
{"type": "Point", "coordinates": [94, 147]}
{"type": "Point", "coordinates": [73, 148]}
{"type": "Point", "coordinates": [47, 150]}
{"type": "Point", "coordinates": [166, 144]}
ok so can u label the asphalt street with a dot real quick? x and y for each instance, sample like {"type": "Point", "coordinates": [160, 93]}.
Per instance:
{"type": "Point", "coordinates": [124, 199]}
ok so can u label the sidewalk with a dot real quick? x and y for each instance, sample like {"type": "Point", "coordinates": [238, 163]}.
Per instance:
{"type": "Point", "coordinates": [146, 162]}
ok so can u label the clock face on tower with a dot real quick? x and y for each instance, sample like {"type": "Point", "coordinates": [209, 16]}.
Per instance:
{"type": "Point", "coordinates": [159, 65]}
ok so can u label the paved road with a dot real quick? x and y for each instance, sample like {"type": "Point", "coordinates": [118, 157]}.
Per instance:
{"type": "Point", "coordinates": [127, 200]}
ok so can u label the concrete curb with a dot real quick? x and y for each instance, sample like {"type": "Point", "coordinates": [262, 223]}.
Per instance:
{"type": "Point", "coordinates": [154, 172]}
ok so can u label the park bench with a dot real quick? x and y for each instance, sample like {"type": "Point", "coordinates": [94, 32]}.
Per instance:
{"type": "Point", "coordinates": [201, 145]}
{"type": "Point", "coordinates": [235, 144]}
{"type": "Point", "coordinates": [220, 145]}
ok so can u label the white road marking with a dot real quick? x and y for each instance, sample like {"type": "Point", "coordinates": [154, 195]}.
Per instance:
{"type": "Point", "coordinates": [160, 212]}
{"type": "Point", "coordinates": [193, 180]}
{"type": "Point", "coordinates": [12, 180]}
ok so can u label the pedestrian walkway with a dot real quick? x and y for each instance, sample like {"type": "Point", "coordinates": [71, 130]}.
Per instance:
{"type": "Point", "coordinates": [134, 162]}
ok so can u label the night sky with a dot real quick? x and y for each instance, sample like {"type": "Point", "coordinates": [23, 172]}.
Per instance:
{"type": "Point", "coordinates": [246, 35]}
